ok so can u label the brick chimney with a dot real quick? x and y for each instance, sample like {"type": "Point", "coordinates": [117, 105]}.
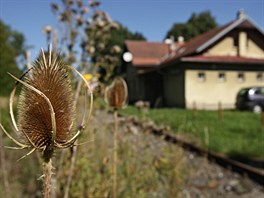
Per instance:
{"type": "Point", "coordinates": [242, 43]}
{"type": "Point", "coordinates": [241, 13]}
{"type": "Point", "coordinates": [242, 35]}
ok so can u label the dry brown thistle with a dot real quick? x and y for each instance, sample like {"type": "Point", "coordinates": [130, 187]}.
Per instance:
{"type": "Point", "coordinates": [116, 97]}
{"type": "Point", "coordinates": [46, 107]}
{"type": "Point", "coordinates": [46, 110]}
{"type": "Point", "coordinates": [116, 93]}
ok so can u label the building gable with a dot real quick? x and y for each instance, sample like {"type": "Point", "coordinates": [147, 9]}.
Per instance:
{"type": "Point", "coordinates": [244, 40]}
{"type": "Point", "coordinates": [239, 42]}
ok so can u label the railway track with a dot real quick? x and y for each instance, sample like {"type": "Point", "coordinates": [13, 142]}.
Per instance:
{"type": "Point", "coordinates": [255, 174]}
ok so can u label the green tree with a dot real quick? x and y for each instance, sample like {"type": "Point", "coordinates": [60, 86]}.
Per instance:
{"type": "Point", "coordinates": [117, 38]}
{"type": "Point", "coordinates": [195, 25]}
{"type": "Point", "coordinates": [11, 46]}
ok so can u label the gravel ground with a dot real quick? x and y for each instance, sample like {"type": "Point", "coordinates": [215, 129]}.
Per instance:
{"type": "Point", "coordinates": [205, 179]}
{"type": "Point", "coordinates": [211, 180]}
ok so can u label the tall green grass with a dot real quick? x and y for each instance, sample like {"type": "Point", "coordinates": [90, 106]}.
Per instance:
{"type": "Point", "coordinates": [235, 133]}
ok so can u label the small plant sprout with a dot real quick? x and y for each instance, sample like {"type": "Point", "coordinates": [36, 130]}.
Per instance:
{"type": "Point", "coordinates": [46, 110]}
{"type": "Point", "coordinates": [116, 97]}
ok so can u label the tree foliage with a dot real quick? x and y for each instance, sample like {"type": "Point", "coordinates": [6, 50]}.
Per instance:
{"type": "Point", "coordinates": [117, 38]}
{"type": "Point", "coordinates": [11, 46]}
{"type": "Point", "coordinates": [195, 25]}
{"type": "Point", "coordinates": [92, 30]}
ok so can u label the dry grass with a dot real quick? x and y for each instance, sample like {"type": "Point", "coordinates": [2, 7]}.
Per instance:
{"type": "Point", "coordinates": [3, 102]}
{"type": "Point", "coordinates": [147, 166]}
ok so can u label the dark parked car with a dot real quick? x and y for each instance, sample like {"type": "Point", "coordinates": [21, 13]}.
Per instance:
{"type": "Point", "coordinates": [251, 98]}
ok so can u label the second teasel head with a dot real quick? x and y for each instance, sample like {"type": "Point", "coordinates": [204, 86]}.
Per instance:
{"type": "Point", "coordinates": [116, 93]}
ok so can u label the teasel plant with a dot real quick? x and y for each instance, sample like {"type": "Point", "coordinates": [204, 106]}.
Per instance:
{"type": "Point", "coordinates": [116, 95]}
{"type": "Point", "coordinates": [46, 111]}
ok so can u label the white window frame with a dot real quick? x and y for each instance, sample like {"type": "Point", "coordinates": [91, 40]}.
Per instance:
{"type": "Point", "coordinates": [241, 77]}
{"type": "Point", "coordinates": [201, 76]}
{"type": "Point", "coordinates": [259, 77]}
{"type": "Point", "coordinates": [222, 76]}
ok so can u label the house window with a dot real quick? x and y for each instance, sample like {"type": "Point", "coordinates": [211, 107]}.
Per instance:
{"type": "Point", "coordinates": [241, 77]}
{"type": "Point", "coordinates": [259, 77]}
{"type": "Point", "coordinates": [222, 77]}
{"type": "Point", "coordinates": [201, 76]}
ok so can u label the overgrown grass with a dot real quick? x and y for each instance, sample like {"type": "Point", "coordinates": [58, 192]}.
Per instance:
{"type": "Point", "coordinates": [235, 133]}
{"type": "Point", "coordinates": [146, 166]}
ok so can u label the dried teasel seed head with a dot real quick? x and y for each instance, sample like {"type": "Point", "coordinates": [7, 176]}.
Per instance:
{"type": "Point", "coordinates": [116, 93]}
{"type": "Point", "coordinates": [55, 7]}
{"type": "Point", "coordinates": [47, 29]}
{"type": "Point", "coordinates": [94, 3]}
{"type": "Point", "coordinates": [49, 76]}
{"type": "Point", "coordinates": [115, 49]}
{"type": "Point", "coordinates": [84, 10]}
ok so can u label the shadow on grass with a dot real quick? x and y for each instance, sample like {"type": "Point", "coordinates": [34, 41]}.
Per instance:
{"type": "Point", "coordinates": [257, 163]}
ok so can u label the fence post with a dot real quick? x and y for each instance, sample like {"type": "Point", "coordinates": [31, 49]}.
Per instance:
{"type": "Point", "coordinates": [220, 111]}
{"type": "Point", "coordinates": [194, 108]}
{"type": "Point", "coordinates": [262, 119]}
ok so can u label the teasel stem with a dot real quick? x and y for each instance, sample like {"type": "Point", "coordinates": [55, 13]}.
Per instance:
{"type": "Point", "coordinates": [115, 97]}
{"type": "Point", "coordinates": [69, 179]}
{"type": "Point", "coordinates": [47, 170]}
{"type": "Point", "coordinates": [115, 153]}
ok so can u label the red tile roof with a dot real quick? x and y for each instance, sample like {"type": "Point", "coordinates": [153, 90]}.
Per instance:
{"type": "Point", "coordinates": [146, 53]}
{"type": "Point", "coordinates": [152, 54]}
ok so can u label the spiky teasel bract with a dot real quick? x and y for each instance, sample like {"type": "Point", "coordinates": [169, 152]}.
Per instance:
{"type": "Point", "coordinates": [34, 117]}
{"type": "Point", "coordinates": [46, 108]}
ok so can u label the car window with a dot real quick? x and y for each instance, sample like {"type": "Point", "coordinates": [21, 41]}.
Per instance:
{"type": "Point", "coordinates": [242, 91]}
{"type": "Point", "coordinates": [262, 91]}
{"type": "Point", "coordinates": [257, 91]}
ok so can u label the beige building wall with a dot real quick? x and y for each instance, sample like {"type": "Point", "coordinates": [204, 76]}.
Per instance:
{"type": "Point", "coordinates": [246, 47]}
{"type": "Point", "coordinates": [207, 93]}
{"type": "Point", "coordinates": [224, 48]}
{"type": "Point", "coordinates": [254, 50]}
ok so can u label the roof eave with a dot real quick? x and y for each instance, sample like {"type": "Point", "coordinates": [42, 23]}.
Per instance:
{"type": "Point", "coordinates": [221, 61]}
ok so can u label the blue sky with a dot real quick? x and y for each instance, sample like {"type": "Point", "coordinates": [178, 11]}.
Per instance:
{"type": "Point", "coordinates": [152, 18]}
